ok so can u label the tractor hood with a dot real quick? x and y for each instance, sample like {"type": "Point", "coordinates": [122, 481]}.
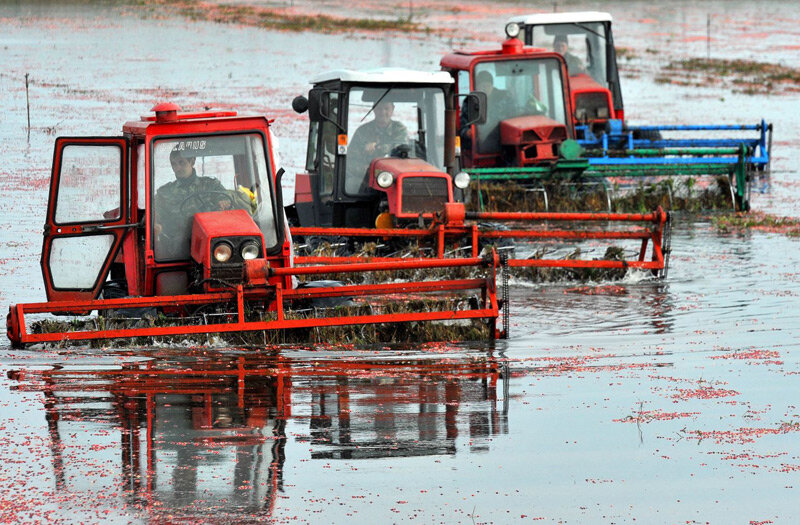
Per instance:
{"type": "Point", "coordinates": [221, 243]}
{"type": "Point", "coordinates": [398, 167]}
{"type": "Point", "coordinates": [417, 187]}
{"type": "Point", "coordinates": [534, 138]}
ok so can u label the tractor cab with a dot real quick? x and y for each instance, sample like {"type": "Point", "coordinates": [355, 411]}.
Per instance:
{"type": "Point", "coordinates": [587, 44]}
{"type": "Point", "coordinates": [528, 114]}
{"type": "Point", "coordinates": [380, 149]}
{"type": "Point", "coordinates": [176, 204]}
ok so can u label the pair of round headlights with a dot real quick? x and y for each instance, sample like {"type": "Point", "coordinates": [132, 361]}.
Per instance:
{"type": "Point", "coordinates": [385, 179]}
{"type": "Point", "coordinates": [223, 251]}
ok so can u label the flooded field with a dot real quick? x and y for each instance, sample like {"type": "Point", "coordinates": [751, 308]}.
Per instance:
{"type": "Point", "coordinates": [646, 401]}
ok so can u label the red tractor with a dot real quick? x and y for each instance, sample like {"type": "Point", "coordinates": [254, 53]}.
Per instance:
{"type": "Point", "coordinates": [587, 44]}
{"type": "Point", "coordinates": [183, 212]}
{"type": "Point", "coordinates": [529, 107]}
{"type": "Point", "coordinates": [121, 207]}
{"type": "Point", "coordinates": [554, 126]}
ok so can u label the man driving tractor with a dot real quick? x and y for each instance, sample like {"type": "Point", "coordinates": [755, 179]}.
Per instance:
{"type": "Point", "coordinates": [376, 138]}
{"type": "Point", "coordinates": [177, 201]}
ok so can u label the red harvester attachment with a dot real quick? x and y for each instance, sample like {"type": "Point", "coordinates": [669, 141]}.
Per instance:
{"type": "Point", "coordinates": [447, 235]}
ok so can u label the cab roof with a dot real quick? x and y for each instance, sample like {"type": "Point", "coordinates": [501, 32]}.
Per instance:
{"type": "Point", "coordinates": [169, 118]}
{"type": "Point", "coordinates": [463, 60]}
{"type": "Point", "coordinates": [385, 75]}
{"type": "Point", "coordinates": [561, 18]}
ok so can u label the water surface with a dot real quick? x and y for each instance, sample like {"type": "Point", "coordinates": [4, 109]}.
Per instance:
{"type": "Point", "coordinates": [649, 401]}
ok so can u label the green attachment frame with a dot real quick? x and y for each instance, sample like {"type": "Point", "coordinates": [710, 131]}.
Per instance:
{"type": "Point", "coordinates": [667, 162]}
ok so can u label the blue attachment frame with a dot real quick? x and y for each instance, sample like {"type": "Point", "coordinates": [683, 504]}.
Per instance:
{"type": "Point", "coordinates": [619, 138]}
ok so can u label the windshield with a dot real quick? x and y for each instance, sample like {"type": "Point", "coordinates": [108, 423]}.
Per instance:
{"type": "Point", "coordinates": [385, 121]}
{"type": "Point", "coordinates": [516, 88]}
{"type": "Point", "coordinates": [583, 46]}
{"type": "Point", "coordinates": [208, 173]}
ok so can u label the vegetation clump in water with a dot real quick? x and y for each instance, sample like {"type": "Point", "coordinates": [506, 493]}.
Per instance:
{"type": "Point", "coordinates": [268, 18]}
{"type": "Point", "coordinates": [739, 222]}
{"type": "Point", "coordinates": [544, 196]}
{"type": "Point", "coordinates": [545, 275]}
{"type": "Point", "coordinates": [685, 193]}
{"type": "Point", "coordinates": [614, 253]}
{"type": "Point", "coordinates": [746, 76]}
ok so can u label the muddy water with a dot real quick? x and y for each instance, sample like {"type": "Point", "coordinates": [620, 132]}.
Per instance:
{"type": "Point", "coordinates": [655, 402]}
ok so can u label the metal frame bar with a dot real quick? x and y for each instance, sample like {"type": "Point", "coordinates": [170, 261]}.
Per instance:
{"type": "Point", "coordinates": [276, 294]}
{"type": "Point", "coordinates": [439, 234]}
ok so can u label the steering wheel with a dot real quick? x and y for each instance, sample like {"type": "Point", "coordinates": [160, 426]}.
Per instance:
{"type": "Point", "coordinates": [401, 150]}
{"type": "Point", "coordinates": [205, 201]}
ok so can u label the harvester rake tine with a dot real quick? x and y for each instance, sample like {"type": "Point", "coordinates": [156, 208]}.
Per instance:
{"type": "Point", "coordinates": [546, 199]}
{"type": "Point", "coordinates": [205, 321]}
{"type": "Point", "coordinates": [458, 249]}
{"type": "Point", "coordinates": [732, 191]}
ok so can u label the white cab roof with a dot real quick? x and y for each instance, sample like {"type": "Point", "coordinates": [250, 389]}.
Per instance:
{"type": "Point", "coordinates": [385, 75]}
{"type": "Point", "coordinates": [562, 18]}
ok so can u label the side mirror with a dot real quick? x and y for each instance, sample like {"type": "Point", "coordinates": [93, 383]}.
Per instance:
{"type": "Point", "coordinates": [316, 112]}
{"type": "Point", "coordinates": [300, 104]}
{"type": "Point", "coordinates": [474, 108]}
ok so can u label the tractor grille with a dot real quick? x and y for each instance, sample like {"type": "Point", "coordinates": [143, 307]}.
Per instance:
{"type": "Point", "coordinates": [231, 273]}
{"type": "Point", "coordinates": [558, 133]}
{"type": "Point", "coordinates": [424, 194]}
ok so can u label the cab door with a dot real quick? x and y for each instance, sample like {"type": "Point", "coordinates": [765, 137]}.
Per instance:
{"type": "Point", "coordinates": [87, 215]}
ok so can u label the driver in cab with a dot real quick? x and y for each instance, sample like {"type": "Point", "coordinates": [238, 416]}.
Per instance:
{"type": "Point", "coordinates": [177, 201]}
{"type": "Point", "coordinates": [376, 138]}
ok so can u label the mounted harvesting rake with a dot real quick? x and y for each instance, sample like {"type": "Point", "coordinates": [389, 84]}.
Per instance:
{"type": "Point", "coordinates": [176, 228]}
{"type": "Point", "coordinates": [391, 183]}
{"type": "Point", "coordinates": [557, 124]}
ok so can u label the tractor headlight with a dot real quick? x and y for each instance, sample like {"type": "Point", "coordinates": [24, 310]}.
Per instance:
{"type": "Point", "coordinates": [512, 29]}
{"type": "Point", "coordinates": [222, 252]}
{"type": "Point", "coordinates": [384, 179]}
{"type": "Point", "coordinates": [461, 180]}
{"type": "Point", "coordinates": [250, 250]}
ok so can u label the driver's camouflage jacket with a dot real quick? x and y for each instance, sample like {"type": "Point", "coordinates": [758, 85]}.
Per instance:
{"type": "Point", "coordinates": [172, 210]}
{"type": "Point", "coordinates": [385, 140]}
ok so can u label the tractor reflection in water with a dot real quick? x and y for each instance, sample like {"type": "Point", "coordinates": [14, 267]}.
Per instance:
{"type": "Point", "coordinates": [196, 436]}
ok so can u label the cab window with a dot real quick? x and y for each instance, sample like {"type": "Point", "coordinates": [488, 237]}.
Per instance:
{"type": "Point", "coordinates": [583, 46]}
{"type": "Point", "coordinates": [208, 173]}
{"type": "Point", "coordinates": [386, 121]}
{"type": "Point", "coordinates": [516, 88]}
